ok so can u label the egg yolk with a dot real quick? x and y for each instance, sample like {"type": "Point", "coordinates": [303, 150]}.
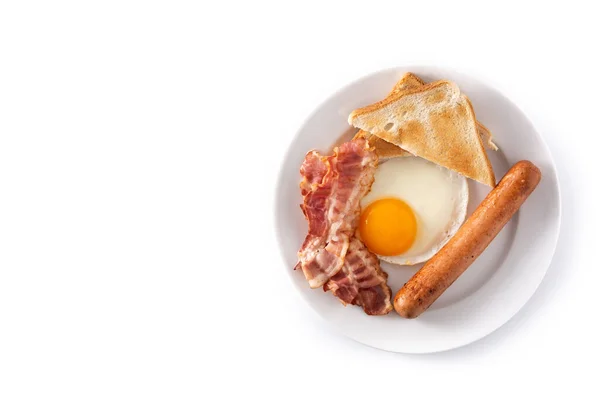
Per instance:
{"type": "Point", "coordinates": [388, 227]}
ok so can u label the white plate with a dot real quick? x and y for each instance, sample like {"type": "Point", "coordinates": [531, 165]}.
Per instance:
{"type": "Point", "coordinates": [502, 279]}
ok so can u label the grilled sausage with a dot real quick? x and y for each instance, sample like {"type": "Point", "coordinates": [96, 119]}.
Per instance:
{"type": "Point", "coordinates": [469, 242]}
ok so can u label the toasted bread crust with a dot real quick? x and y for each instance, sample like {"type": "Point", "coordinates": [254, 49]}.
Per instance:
{"type": "Point", "coordinates": [383, 149]}
{"type": "Point", "coordinates": [486, 136]}
{"type": "Point", "coordinates": [394, 96]}
{"type": "Point", "coordinates": [408, 80]}
{"type": "Point", "coordinates": [386, 150]}
{"type": "Point", "coordinates": [433, 121]}
{"type": "Point", "coordinates": [490, 180]}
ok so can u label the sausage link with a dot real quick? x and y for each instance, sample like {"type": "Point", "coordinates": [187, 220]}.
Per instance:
{"type": "Point", "coordinates": [469, 242]}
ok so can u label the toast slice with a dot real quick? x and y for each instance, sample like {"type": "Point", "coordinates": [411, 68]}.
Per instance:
{"type": "Point", "coordinates": [434, 121]}
{"type": "Point", "coordinates": [410, 81]}
{"type": "Point", "coordinates": [387, 150]}
{"type": "Point", "coordinates": [382, 148]}
{"type": "Point", "coordinates": [486, 136]}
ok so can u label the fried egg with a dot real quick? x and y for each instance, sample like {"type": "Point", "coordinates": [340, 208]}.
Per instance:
{"type": "Point", "coordinates": [413, 209]}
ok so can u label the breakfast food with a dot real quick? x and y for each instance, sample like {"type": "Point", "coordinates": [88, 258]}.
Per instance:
{"type": "Point", "coordinates": [469, 242]}
{"type": "Point", "coordinates": [387, 150]}
{"type": "Point", "coordinates": [486, 136]}
{"type": "Point", "coordinates": [361, 281]}
{"type": "Point", "coordinates": [398, 193]}
{"type": "Point", "coordinates": [331, 255]}
{"type": "Point", "coordinates": [435, 122]}
{"type": "Point", "coordinates": [331, 206]}
{"type": "Point", "coordinates": [412, 210]}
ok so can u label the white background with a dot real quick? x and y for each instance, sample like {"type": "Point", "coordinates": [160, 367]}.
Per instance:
{"type": "Point", "coordinates": [139, 147]}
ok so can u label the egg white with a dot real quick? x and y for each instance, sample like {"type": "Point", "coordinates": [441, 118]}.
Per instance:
{"type": "Point", "coordinates": [438, 197]}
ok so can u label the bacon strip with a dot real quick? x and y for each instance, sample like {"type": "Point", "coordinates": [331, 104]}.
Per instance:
{"type": "Point", "coordinates": [313, 171]}
{"type": "Point", "coordinates": [316, 188]}
{"type": "Point", "coordinates": [331, 256]}
{"type": "Point", "coordinates": [332, 208]}
{"type": "Point", "coordinates": [361, 281]}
